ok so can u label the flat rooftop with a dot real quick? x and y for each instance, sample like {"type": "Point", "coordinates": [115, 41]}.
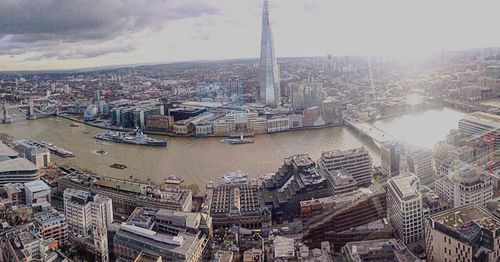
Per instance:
{"type": "Point", "coordinates": [36, 186]}
{"type": "Point", "coordinates": [491, 119]}
{"type": "Point", "coordinates": [17, 164]}
{"type": "Point", "coordinates": [462, 217]}
{"type": "Point", "coordinates": [349, 152]}
{"type": "Point", "coordinates": [404, 187]}
{"type": "Point", "coordinates": [5, 150]}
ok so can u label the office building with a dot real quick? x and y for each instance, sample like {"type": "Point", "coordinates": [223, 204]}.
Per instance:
{"type": "Point", "coordinates": [142, 234]}
{"type": "Point", "coordinates": [40, 156]}
{"type": "Point", "coordinates": [269, 91]}
{"type": "Point", "coordinates": [467, 233]}
{"type": "Point", "coordinates": [134, 114]}
{"type": "Point", "coordinates": [102, 211]}
{"type": "Point", "coordinates": [404, 207]}
{"type": "Point", "coordinates": [17, 170]}
{"type": "Point", "coordinates": [78, 213]}
{"type": "Point", "coordinates": [160, 124]}
{"type": "Point", "coordinates": [239, 205]}
{"type": "Point", "coordinates": [298, 179]}
{"type": "Point", "coordinates": [352, 216]}
{"type": "Point", "coordinates": [126, 195]}
{"type": "Point", "coordinates": [419, 162]}
{"type": "Point", "coordinates": [341, 181]}
{"type": "Point", "coordinates": [481, 124]}
{"type": "Point", "coordinates": [377, 250]}
{"type": "Point", "coordinates": [85, 211]}
{"type": "Point", "coordinates": [464, 185]}
{"type": "Point", "coordinates": [37, 193]}
{"type": "Point", "coordinates": [357, 162]}
{"type": "Point", "coordinates": [183, 113]}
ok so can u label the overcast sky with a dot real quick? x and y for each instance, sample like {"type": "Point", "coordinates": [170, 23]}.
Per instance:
{"type": "Point", "coordinates": [64, 34]}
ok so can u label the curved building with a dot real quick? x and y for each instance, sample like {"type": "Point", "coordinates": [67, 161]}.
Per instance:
{"type": "Point", "coordinates": [18, 170]}
{"type": "Point", "coordinates": [90, 113]}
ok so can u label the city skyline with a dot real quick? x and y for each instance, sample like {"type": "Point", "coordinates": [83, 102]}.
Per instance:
{"type": "Point", "coordinates": [31, 37]}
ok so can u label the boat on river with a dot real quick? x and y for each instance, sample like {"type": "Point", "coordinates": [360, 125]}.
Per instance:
{"type": "Point", "coordinates": [134, 138]}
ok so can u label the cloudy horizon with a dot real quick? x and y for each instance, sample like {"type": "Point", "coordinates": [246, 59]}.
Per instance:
{"type": "Point", "coordinates": [69, 34]}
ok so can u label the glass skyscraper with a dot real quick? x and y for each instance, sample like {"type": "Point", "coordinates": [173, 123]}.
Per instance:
{"type": "Point", "coordinates": [269, 91]}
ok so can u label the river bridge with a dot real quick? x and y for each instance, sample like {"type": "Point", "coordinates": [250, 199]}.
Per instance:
{"type": "Point", "coordinates": [378, 136]}
{"type": "Point", "coordinates": [39, 107]}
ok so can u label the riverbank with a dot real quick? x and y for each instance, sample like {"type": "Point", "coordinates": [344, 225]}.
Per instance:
{"type": "Point", "coordinates": [187, 136]}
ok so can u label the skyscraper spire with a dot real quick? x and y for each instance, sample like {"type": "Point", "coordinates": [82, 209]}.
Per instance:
{"type": "Point", "coordinates": [269, 91]}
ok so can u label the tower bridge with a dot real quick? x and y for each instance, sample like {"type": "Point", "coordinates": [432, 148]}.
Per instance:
{"type": "Point", "coordinates": [39, 107]}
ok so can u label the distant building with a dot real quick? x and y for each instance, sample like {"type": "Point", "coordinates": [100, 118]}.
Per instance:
{"type": "Point", "coordinates": [404, 207]}
{"type": "Point", "coordinates": [357, 162]}
{"type": "Point", "coordinates": [278, 124]}
{"type": "Point", "coordinates": [377, 250]}
{"type": "Point", "coordinates": [467, 233]}
{"type": "Point", "coordinates": [183, 113]}
{"type": "Point", "coordinates": [160, 124]}
{"type": "Point", "coordinates": [134, 114]}
{"type": "Point", "coordinates": [464, 185]}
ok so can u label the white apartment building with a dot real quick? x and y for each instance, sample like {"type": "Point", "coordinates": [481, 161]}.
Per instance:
{"type": "Point", "coordinates": [404, 207]}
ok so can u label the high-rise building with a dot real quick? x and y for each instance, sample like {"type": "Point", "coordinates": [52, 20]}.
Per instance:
{"type": "Point", "coordinates": [468, 233]}
{"type": "Point", "coordinates": [404, 207]}
{"type": "Point", "coordinates": [269, 91]}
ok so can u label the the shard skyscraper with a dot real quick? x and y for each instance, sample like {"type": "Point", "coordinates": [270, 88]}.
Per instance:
{"type": "Point", "coordinates": [269, 91]}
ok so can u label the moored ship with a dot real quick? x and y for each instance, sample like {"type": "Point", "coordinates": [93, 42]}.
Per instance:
{"type": "Point", "coordinates": [134, 138]}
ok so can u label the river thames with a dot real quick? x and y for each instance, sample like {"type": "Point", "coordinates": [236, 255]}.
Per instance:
{"type": "Point", "coordinates": [198, 160]}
